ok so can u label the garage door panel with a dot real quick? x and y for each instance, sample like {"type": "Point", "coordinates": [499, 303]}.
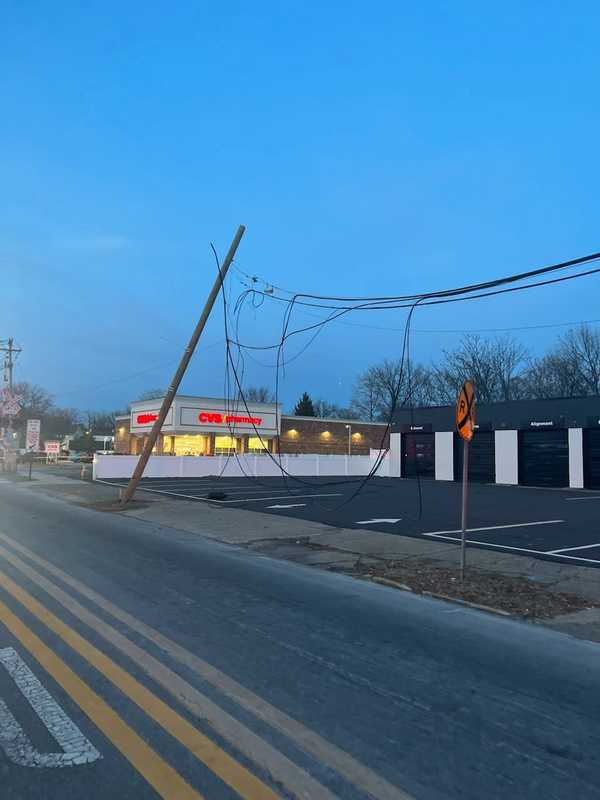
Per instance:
{"type": "Point", "coordinates": [544, 458]}
{"type": "Point", "coordinates": [591, 458]}
{"type": "Point", "coordinates": [482, 457]}
{"type": "Point", "coordinates": [418, 455]}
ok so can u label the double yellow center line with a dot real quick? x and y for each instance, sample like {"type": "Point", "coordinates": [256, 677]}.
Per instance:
{"type": "Point", "coordinates": [163, 778]}
{"type": "Point", "coordinates": [285, 773]}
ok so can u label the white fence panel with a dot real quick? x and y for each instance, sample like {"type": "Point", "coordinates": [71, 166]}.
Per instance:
{"type": "Point", "coordinates": [309, 465]}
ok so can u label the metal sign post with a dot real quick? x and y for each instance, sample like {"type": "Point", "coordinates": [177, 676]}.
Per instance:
{"type": "Point", "coordinates": [465, 425]}
{"type": "Point", "coordinates": [464, 509]}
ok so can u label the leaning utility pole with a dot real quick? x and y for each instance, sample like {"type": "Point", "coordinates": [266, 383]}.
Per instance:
{"type": "Point", "coordinates": [185, 360]}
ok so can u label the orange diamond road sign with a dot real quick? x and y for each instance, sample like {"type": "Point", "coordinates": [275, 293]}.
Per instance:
{"type": "Point", "coordinates": [465, 411]}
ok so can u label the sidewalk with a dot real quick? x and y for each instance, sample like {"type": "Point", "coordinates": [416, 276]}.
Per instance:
{"type": "Point", "coordinates": [353, 551]}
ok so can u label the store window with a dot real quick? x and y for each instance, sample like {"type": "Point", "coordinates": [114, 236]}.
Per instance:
{"type": "Point", "coordinates": [192, 445]}
{"type": "Point", "coordinates": [224, 445]}
{"type": "Point", "coordinates": [257, 446]}
{"type": "Point", "coordinates": [168, 445]}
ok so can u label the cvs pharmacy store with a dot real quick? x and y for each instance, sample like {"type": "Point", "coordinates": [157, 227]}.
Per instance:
{"type": "Point", "coordinates": [200, 426]}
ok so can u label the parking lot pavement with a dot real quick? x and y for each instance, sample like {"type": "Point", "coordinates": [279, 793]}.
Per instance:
{"type": "Point", "coordinates": [559, 525]}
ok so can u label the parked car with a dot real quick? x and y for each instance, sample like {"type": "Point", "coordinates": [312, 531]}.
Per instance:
{"type": "Point", "coordinates": [80, 458]}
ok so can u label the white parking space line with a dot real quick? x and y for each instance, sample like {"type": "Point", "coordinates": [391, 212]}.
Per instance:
{"type": "Point", "coordinates": [176, 486]}
{"type": "Point", "coordinates": [289, 505]}
{"type": "Point", "coordinates": [285, 497]}
{"type": "Point", "coordinates": [206, 499]}
{"type": "Point", "coordinates": [499, 527]}
{"type": "Point", "coordinates": [497, 545]}
{"type": "Point", "coordinates": [568, 549]}
{"type": "Point", "coordinates": [591, 497]}
{"type": "Point", "coordinates": [204, 489]}
{"type": "Point", "coordinates": [225, 490]}
{"type": "Point", "coordinates": [76, 748]}
{"type": "Point", "coordinates": [573, 558]}
{"type": "Point", "coordinates": [500, 546]}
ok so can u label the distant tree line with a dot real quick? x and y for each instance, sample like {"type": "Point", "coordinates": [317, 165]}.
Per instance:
{"type": "Point", "coordinates": [501, 369]}
{"type": "Point", "coordinates": [56, 421]}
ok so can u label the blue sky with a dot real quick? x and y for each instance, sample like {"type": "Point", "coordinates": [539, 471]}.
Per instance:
{"type": "Point", "coordinates": [369, 149]}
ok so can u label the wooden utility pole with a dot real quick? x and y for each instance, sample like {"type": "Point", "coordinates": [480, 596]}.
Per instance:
{"type": "Point", "coordinates": [180, 372]}
{"type": "Point", "coordinates": [10, 349]}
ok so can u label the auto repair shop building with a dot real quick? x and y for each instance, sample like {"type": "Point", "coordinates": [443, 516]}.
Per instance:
{"type": "Point", "coordinates": [554, 442]}
{"type": "Point", "coordinates": [205, 426]}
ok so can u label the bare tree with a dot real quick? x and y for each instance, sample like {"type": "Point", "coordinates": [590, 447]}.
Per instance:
{"type": "Point", "coordinates": [389, 385]}
{"type": "Point", "coordinates": [152, 394]}
{"type": "Point", "coordinates": [494, 366]}
{"type": "Point", "coordinates": [100, 421]}
{"type": "Point", "coordinates": [327, 410]}
{"type": "Point", "coordinates": [508, 357]}
{"type": "Point", "coordinates": [258, 394]}
{"type": "Point", "coordinates": [581, 347]}
{"type": "Point", "coordinates": [35, 401]}
{"type": "Point", "coordinates": [366, 397]}
{"type": "Point", "coordinates": [570, 369]}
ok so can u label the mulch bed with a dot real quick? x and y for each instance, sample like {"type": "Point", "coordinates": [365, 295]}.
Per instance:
{"type": "Point", "coordinates": [517, 596]}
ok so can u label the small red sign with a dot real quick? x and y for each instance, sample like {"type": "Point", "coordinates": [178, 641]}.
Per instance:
{"type": "Point", "coordinates": [144, 419]}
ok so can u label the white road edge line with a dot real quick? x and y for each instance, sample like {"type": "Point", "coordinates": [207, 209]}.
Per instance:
{"type": "Point", "coordinates": [568, 549]}
{"type": "Point", "coordinates": [77, 749]}
{"type": "Point", "coordinates": [499, 527]}
{"type": "Point", "coordinates": [595, 497]}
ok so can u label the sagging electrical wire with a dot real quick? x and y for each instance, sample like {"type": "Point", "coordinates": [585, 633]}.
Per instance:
{"type": "Point", "coordinates": [458, 294]}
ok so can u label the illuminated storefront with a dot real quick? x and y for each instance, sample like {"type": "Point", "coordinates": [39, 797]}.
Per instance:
{"type": "Point", "coordinates": [203, 427]}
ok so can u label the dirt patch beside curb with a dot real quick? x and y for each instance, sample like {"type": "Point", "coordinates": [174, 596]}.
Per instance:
{"type": "Point", "coordinates": [517, 596]}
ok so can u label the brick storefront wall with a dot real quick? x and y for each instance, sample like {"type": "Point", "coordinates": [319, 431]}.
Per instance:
{"type": "Point", "coordinates": [313, 435]}
{"type": "Point", "coordinates": [299, 435]}
{"type": "Point", "coordinates": [122, 436]}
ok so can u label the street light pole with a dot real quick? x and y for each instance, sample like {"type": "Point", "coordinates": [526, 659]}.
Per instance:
{"type": "Point", "coordinates": [349, 427]}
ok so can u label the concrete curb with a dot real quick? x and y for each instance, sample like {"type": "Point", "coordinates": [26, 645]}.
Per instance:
{"type": "Point", "coordinates": [448, 598]}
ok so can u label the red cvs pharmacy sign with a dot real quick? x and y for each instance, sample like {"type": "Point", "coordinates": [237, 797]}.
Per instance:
{"type": "Point", "coordinates": [214, 418]}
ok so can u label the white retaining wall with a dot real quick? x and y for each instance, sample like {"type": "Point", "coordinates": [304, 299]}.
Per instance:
{"type": "Point", "coordinates": [444, 456]}
{"type": "Point", "coordinates": [395, 455]}
{"type": "Point", "coordinates": [507, 457]}
{"type": "Point", "coordinates": [576, 458]}
{"type": "Point", "coordinates": [107, 467]}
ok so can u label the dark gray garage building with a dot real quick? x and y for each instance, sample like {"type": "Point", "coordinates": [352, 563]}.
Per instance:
{"type": "Point", "coordinates": [554, 442]}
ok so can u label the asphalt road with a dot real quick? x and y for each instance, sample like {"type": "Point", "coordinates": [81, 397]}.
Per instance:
{"type": "Point", "coordinates": [181, 668]}
{"type": "Point", "coordinates": [553, 524]}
